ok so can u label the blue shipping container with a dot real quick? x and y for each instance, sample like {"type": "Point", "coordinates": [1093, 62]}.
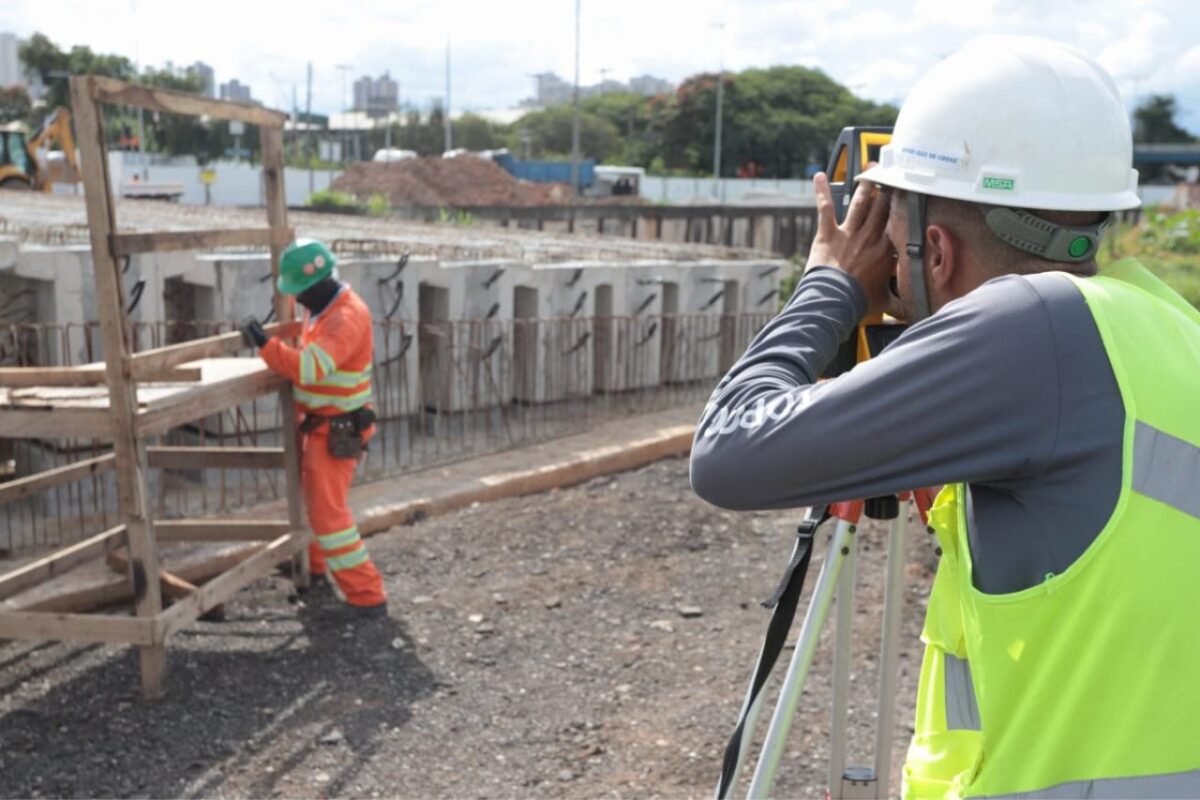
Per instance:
{"type": "Point", "coordinates": [548, 171]}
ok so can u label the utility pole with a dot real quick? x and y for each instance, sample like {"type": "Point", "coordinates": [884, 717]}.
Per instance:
{"type": "Point", "coordinates": [575, 113]}
{"type": "Point", "coordinates": [449, 143]}
{"type": "Point", "coordinates": [308, 122]}
{"type": "Point", "coordinates": [717, 140]}
{"type": "Point", "coordinates": [345, 68]}
{"type": "Point", "coordinates": [137, 51]}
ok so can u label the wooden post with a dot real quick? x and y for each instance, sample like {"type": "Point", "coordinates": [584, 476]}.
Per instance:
{"type": "Point", "coordinates": [633, 226]}
{"type": "Point", "coordinates": [751, 224]}
{"type": "Point", "coordinates": [728, 221]}
{"type": "Point", "coordinates": [658, 226]}
{"type": "Point", "coordinates": [272, 155]}
{"type": "Point", "coordinates": [122, 389]}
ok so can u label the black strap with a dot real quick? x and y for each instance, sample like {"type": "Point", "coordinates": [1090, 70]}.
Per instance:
{"type": "Point", "coordinates": [784, 600]}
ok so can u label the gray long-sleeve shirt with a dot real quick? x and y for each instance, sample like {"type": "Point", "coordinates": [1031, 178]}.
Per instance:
{"type": "Point", "coordinates": [1007, 389]}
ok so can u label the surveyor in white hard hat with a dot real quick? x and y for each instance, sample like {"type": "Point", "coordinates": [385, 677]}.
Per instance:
{"type": "Point", "coordinates": [1059, 407]}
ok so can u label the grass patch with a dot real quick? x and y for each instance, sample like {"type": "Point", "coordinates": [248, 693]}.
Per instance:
{"type": "Point", "coordinates": [1167, 244]}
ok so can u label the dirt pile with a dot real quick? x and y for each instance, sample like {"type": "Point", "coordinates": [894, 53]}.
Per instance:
{"type": "Point", "coordinates": [449, 182]}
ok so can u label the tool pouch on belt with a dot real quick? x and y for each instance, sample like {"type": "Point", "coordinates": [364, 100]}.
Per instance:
{"type": "Point", "coordinates": [345, 439]}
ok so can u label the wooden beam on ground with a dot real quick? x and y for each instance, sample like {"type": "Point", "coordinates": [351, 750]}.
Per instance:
{"type": "Point", "coordinates": [152, 362]}
{"type": "Point", "coordinates": [60, 562]}
{"type": "Point", "coordinates": [51, 626]}
{"type": "Point", "coordinates": [220, 589]}
{"type": "Point", "coordinates": [124, 244]}
{"type": "Point", "coordinates": [171, 584]}
{"type": "Point", "coordinates": [23, 487]}
{"type": "Point", "coordinates": [119, 590]}
{"type": "Point", "coordinates": [84, 375]}
{"type": "Point", "coordinates": [220, 530]}
{"type": "Point", "coordinates": [110, 90]}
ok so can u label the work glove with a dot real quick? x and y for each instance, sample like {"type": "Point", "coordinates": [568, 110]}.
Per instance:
{"type": "Point", "coordinates": [252, 332]}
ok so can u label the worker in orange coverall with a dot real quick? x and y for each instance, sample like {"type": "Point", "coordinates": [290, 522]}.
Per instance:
{"type": "Point", "coordinates": [331, 377]}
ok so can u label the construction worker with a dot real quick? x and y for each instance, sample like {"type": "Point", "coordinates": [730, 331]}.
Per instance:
{"type": "Point", "coordinates": [331, 373]}
{"type": "Point", "coordinates": [1058, 407]}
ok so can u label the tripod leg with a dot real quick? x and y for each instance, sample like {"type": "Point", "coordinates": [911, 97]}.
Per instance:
{"type": "Point", "coordinates": [806, 646]}
{"type": "Point", "coordinates": [889, 653]}
{"type": "Point", "coordinates": [842, 653]}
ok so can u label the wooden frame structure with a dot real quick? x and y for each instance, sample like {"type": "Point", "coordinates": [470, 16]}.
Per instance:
{"type": "Point", "coordinates": [126, 422]}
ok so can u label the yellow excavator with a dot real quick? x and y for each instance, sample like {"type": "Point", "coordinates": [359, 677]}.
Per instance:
{"type": "Point", "coordinates": [21, 166]}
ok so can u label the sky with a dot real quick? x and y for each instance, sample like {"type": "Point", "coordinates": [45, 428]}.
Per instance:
{"type": "Point", "coordinates": [877, 48]}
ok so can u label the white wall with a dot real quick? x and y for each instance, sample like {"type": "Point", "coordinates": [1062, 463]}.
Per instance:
{"type": "Point", "coordinates": [730, 190]}
{"type": "Point", "coordinates": [237, 184]}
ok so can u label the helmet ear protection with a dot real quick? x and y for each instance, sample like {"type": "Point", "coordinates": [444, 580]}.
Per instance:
{"type": "Point", "coordinates": [1042, 238]}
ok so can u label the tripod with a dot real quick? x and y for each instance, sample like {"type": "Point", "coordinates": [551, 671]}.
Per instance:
{"type": "Point", "coordinates": [835, 579]}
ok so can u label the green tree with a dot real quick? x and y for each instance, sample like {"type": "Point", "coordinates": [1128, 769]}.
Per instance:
{"type": "Point", "coordinates": [636, 121]}
{"type": "Point", "coordinates": [783, 119]}
{"type": "Point", "coordinates": [41, 56]}
{"type": "Point", "coordinates": [549, 132]}
{"type": "Point", "coordinates": [1154, 121]}
{"type": "Point", "coordinates": [474, 133]}
{"type": "Point", "coordinates": [14, 104]}
{"type": "Point", "coordinates": [179, 134]}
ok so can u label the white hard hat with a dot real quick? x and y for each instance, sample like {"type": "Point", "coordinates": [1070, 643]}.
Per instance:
{"type": "Point", "coordinates": [1014, 121]}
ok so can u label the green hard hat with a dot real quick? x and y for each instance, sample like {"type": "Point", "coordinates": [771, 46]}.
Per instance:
{"type": "Point", "coordinates": [304, 263]}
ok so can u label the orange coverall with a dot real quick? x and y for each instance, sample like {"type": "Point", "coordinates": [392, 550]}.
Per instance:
{"type": "Point", "coordinates": [331, 375]}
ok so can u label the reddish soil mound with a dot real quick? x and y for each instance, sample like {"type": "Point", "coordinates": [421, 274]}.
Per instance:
{"type": "Point", "coordinates": [456, 182]}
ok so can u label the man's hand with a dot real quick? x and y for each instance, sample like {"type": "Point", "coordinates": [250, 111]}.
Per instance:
{"type": "Point", "coordinates": [858, 246]}
{"type": "Point", "coordinates": [252, 332]}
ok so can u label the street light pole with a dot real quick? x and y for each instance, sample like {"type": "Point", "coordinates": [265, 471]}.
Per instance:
{"type": "Point", "coordinates": [575, 113]}
{"type": "Point", "coordinates": [717, 138]}
{"type": "Point", "coordinates": [345, 68]}
{"type": "Point", "coordinates": [449, 133]}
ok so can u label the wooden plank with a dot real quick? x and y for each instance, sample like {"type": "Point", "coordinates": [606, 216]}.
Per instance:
{"type": "Point", "coordinates": [212, 458]}
{"type": "Point", "coordinates": [207, 399]}
{"type": "Point", "coordinates": [55, 423]}
{"type": "Point", "coordinates": [152, 362]}
{"type": "Point", "coordinates": [273, 174]}
{"type": "Point", "coordinates": [171, 584]}
{"type": "Point", "coordinates": [220, 589]}
{"type": "Point", "coordinates": [132, 491]}
{"type": "Point", "coordinates": [124, 244]}
{"type": "Point", "coordinates": [220, 530]}
{"type": "Point", "coordinates": [60, 562]}
{"type": "Point", "coordinates": [24, 487]}
{"type": "Point", "coordinates": [46, 626]}
{"type": "Point", "coordinates": [84, 375]}
{"type": "Point", "coordinates": [110, 90]}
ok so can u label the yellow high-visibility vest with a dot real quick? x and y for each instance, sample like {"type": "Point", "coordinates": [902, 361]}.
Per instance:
{"type": "Point", "coordinates": [1087, 685]}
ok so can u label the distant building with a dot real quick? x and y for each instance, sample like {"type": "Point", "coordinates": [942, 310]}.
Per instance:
{"type": "Point", "coordinates": [378, 97]}
{"type": "Point", "coordinates": [552, 90]}
{"type": "Point", "coordinates": [208, 79]}
{"type": "Point", "coordinates": [11, 73]}
{"type": "Point", "coordinates": [649, 85]}
{"type": "Point", "coordinates": [236, 92]}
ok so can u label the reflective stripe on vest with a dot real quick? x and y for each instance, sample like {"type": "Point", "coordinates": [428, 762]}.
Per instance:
{"type": "Point", "coordinates": [1167, 469]}
{"type": "Point", "coordinates": [340, 402]}
{"type": "Point", "coordinates": [962, 712]}
{"type": "Point", "coordinates": [1179, 786]}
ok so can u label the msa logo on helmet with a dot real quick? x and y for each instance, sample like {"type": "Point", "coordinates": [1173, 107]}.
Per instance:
{"type": "Point", "coordinates": [999, 184]}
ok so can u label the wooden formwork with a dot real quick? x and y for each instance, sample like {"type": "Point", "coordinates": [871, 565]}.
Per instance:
{"type": "Point", "coordinates": [132, 396]}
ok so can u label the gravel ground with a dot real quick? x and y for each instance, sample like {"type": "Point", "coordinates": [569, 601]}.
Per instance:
{"type": "Point", "coordinates": [588, 642]}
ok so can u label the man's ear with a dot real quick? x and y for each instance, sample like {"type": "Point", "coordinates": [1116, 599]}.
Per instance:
{"type": "Point", "coordinates": [943, 256]}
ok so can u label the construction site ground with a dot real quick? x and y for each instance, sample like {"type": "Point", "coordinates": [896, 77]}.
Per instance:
{"type": "Point", "coordinates": [589, 641]}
